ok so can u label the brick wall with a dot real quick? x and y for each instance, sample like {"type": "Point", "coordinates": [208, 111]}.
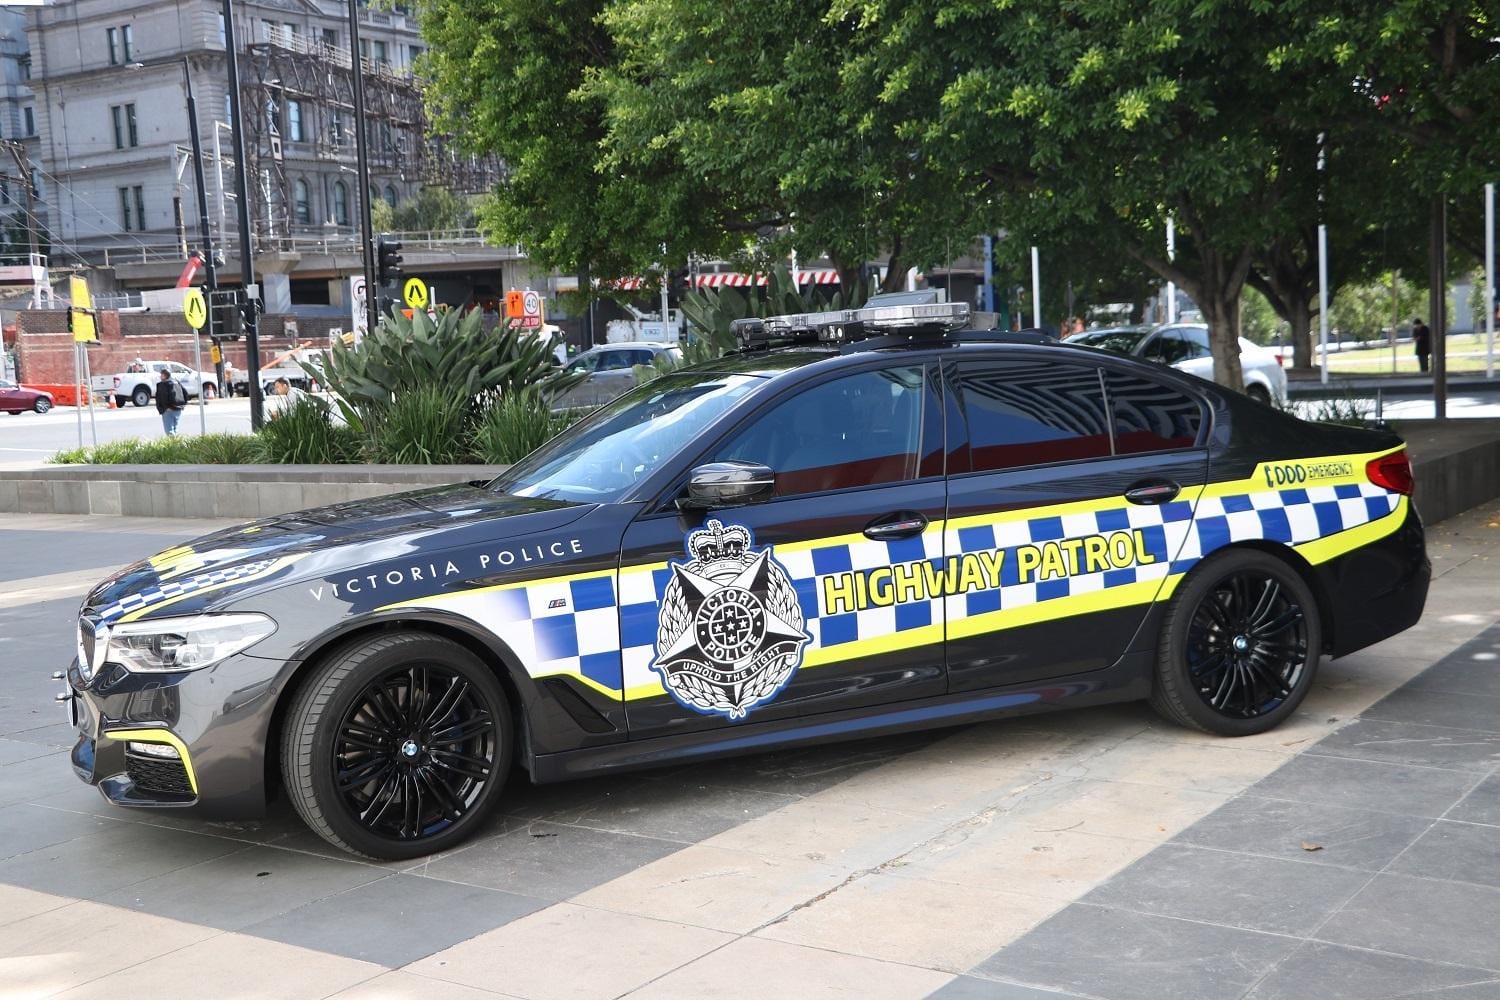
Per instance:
{"type": "Point", "coordinates": [44, 348]}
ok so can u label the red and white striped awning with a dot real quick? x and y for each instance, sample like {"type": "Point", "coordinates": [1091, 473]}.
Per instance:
{"type": "Point", "coordinates": [625, 284]}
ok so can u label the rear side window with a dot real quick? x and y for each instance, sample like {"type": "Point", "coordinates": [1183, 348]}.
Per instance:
{"type": "Point", "coordinates": [1024, 414]}
{"type": "Point", "coordinates": [860, 430]}
{"type": "Point", "coordinates": [1150, 416]}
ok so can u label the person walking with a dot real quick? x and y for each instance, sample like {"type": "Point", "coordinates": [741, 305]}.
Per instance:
{"type": "Point", "coordinates": [1421, 339]}
{"type": "Point", "coordinates": [170, 399]}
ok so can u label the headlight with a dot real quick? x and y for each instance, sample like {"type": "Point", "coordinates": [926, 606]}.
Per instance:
{"type": "Point", "coordinates": [160, 645]}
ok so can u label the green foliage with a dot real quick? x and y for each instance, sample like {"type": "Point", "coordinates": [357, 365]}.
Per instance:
{"type": "Point", "coordinates": [1366, 311]}
{"type": "Point", "coordinates": [515, 425]}
{"type": "Point", "coordinates": [1259, 321]}
{"type": "Point", "coordinates": [177, 449]}
{"type": "Point", "coordinates": [455, 355]}
{"type": "Point", "coordinates": [305, 434]}
{"type": "Point", "coordinates": [433, 209]}
{"type": "Point", "coordinates": [426, 425]}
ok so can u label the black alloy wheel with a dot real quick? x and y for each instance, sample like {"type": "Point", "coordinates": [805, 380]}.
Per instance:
{"type": "Point", "coordinates": [398, 746]}
{"type": "Point", "coordinates": [1239, 645]}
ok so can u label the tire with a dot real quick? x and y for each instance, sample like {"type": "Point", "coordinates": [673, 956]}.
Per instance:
{"type": "Point", "coordinates": [1258, 392]}
{"type": "Point", "coordinates": [393, 749]}
{"type": "Point", "coordinates": [141, 396]}
{"type": "Point", "coordinates": [120, 402]}
{"type": "Point", "coordinates": [1204, 678]}
{"type": "Point", "coordinates": [42, 404]}
{"type": "Point", "coordinates": [210, 392]}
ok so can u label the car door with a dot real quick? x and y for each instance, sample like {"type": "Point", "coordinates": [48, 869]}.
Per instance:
{"type": "Point", "coordinates": [822, 597]}
{"type": "Point", "coordinates": [186, 376]}
{"type": "Point", "coordinates": [1079, 481]}
{"type": "Point", "coordinates": [9, 396]}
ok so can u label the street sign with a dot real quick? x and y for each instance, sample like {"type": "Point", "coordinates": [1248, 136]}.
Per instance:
{"type": "Point", "coordinates": [215, 355]}
{"type": "Point", "coordinates": [531, 309]}
{"type": "Point", "coordinates": [194, 308]}
{"type": "Point", "coordinates": [359, 314]}
{"type": "Point", "coordinates": [415, 293]}
{"type": "Point", "coordinates": [81, 312]}
{"type": "Point", "coordinates": [515, 305]}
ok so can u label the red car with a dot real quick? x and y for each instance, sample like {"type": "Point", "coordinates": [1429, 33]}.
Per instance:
{"type": "Point", "coordinates": [16, 399]}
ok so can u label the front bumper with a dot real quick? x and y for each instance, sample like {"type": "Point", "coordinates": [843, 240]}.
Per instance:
{"type": "Point", "coordinates": [178, 741]}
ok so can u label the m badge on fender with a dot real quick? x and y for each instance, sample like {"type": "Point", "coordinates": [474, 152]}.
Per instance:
{"type": "Point", "coordinates": [730, 630]}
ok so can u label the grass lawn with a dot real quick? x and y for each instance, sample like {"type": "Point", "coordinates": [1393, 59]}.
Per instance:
{"type": "Point", "coordinates": [1466, 353]}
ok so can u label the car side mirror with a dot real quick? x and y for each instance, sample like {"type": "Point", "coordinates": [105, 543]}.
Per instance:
{"type": "Point", "coordinates": [728, 484]}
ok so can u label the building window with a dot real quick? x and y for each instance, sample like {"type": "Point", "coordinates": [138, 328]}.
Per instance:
{"type": "Point", "coordinates": [330, 38]}
{"type": "Point", "coordinates": [36, 184]}
{"type": "Point", "coordinates": [294, 121]}
{"type": "Point", "coordinates": [4, 190]}
{"type": "Point", "coordinates": [416, 53]}
{"type": "Point", "coordinates": [28, 121]}
{"type": "Point", "coordinates": [133, 209]}
{"type": "Point", "coordinates": [390, 196]}
{"type": "Point", "coordinates": [336, 127]}
{"type": "Point", "coordinates": [302, 202]}
{"type": "Point", "coordinates": [127, 42]}
{"type": "Point", "coordinates": [25, 64]}
{"type": "Point", "coordinates": [340, 203]}
{"type": "Point", "coordinates": [123, 118]}
{"type": "Point", "coordinates": [223, 30]}
{"type": "Point", "coordinates": [380, 56]}
{"type": "Point", "coordinates": [112, 35]}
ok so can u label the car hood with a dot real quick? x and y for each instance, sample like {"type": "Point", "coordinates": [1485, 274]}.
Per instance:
{"type": "Point", "coordinates": [225, 566]}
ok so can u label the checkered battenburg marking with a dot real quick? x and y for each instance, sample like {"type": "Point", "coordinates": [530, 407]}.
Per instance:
{"type": "Point", "coordinates": [177, 588]}
{"type": "Point", "coordinates": [571, 626]}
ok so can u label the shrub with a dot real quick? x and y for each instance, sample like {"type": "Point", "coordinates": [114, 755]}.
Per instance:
{"type": "Point", "coordinates": [181, 449]}
{"type": "Point", "coordinates": [427, 425]}
{"type": "Point", "coordinates": [515, 425]}
{"type": "Point", "coordinates": [305, 434]}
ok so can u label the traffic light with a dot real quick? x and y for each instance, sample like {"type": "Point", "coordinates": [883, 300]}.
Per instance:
{"type": "Point", "coordinates": [228, 320]}
{"type": "Point", "coordinates": [387, 260]}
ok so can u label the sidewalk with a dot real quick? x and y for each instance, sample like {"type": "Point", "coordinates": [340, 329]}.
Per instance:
{"type": "Point", "coordinates": [1096, 853]}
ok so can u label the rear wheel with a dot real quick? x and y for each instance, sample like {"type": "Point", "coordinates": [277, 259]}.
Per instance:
{"type": "Point", "coordinates": [120, 401]}
{"type": "Point", "coordinates": [1239, 646]}
{"type": "Point", "coordinates": [141, 396]}
{"type": "Point", "coordinates": [1258, 392]}
{"type": "Point", "coordinates": [42, 404]}
{"type": "Point", "coordinates": [397, 746]}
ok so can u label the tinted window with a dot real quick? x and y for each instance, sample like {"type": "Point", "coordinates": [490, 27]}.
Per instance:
{"type": "Point", "coordinates": [1033, 414]}
{"type": "Point", "coordinates": [615, 360]}
{"type": "Point", "coordinates": [585, 363]}
{"type": "Point", "coordinates": [1173, 346]}
{"type": "Point", "coordinates": [860, 430]}
{"type": "Point", "coordinates": [1150, 416]}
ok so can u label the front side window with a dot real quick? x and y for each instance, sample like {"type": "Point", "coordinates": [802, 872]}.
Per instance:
{"type": "Point", "coordinates": [1175, 346]}
{"type": "Point", "coordinates": [1151, 417]}
{"type": "Point", "coordinates": [599, 459]}
{"type": "Point", "coordinates": [865, 429]}
{"type": "Point", "coordinates": [1025, 413]}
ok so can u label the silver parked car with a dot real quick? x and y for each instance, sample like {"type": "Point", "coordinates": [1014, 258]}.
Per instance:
{"type": "Point", "coordinates": [611, 371]}
{"type": "Point", "coordinates": [1185, 346]}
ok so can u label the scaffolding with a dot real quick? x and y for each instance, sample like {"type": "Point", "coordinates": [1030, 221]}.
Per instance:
{"type": "Point", "coordinates": [297, 96]}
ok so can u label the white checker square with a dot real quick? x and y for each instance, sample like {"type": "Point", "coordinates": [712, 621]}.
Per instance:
{"type": "Point", "coordinates": [868, 555]}
{"type": "Point", "coordinates": [875, 622]}
{"type": "Point", "coordinates": [1086, 584]}
{"type": "Point", "coordinates": [1265, 500]}
{"type": "Point", "coordinates": [1009, 534]}
{"type": "Point", "coordinates": [540, 596]}
{"type": "Point", "coordinates": [636, 587]}
{"type": "Point", "coordinates": [798, 563]}
{"type": "Point", "coordinates": [598, 630]}
{"type": "Point", "coordinates": [1243, 525]}
{"type": "Point", "coordinates": [1303, 521]}
{"type": "Point", "coordinates": [1018, 596]}
{"type": "Point", "coordinates": [1079, 525]}
{"type": "Point", "coordinates": [635, 664]}
{"type": "Point", "coordinates": [956, 607]}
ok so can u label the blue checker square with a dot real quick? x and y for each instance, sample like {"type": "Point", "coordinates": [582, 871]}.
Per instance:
{"type": "Point", "coordinates": [1348, 491]}
{"type": "Point", "coordinates": [591, 594]}
{"type": "Point", "coordinates": [1155, 538]}
{"type": "Point", "coordinates": [834, 559]}
{"type": "Point", "coordinates": [512, 605]}
{"type": "Point", "coordinates": [1293, 496]}
{"type": "Point", "coordinates": [981, 601]}
{"type": "Point", "coordinates": [1274, 525]}
{"type": "Point", "coordinates": [1180, 566]}
{"type": "Point", "coordinates": [1376, 507]}
{"type": "Point", "coordinates": [1045, 529]}
{"type": "Point", "coordinates": [976, 539]}
{"type": "Point", "coordinates": [906, 550]}
{"type": "Point", "coordinates": [1179, 510]}
{"type": "Point", "coordinates": [603, 668]}
{"type": "Point", "coordinates": [659, 579]}
{"type": "Point", "coordinates": [1330, 518]}
{"type": "Point", "coordinates": [913, 615]}
{"type": "Point", "coordinates": [1050, 589]}
{"type": "Point", "coordinates": [1114, 519]}
{"type": "Point", "coordinates": [637, 625]}
{"type": "Point", "coordinates": [807, 596]}
{"type": "Point", "coordinates": [839, 629]}
{"type": "Point", "coordinates": [556, 637]}
{"type": "Point", "coordinates": [1236, 503]}
{"type": "Point", "coordinates": [1213, 533]}
{"type": "Point", "coordinates": [1116, 577]}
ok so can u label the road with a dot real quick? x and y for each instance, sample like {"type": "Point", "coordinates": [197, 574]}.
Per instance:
{"type": "Point", "coordinates": [1092, 853]}
{"type": "Point", "coordinates": [30, 438]}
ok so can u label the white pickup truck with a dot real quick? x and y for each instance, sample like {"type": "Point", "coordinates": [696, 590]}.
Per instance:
{"type": "Point", "coordinates": [139, 387]}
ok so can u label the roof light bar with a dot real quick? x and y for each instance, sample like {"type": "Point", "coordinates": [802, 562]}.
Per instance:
{"type": "Point", "coordinates": [850, 325]}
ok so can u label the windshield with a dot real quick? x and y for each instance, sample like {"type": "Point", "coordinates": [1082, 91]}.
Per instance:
{"type": "Point", "coordinates": [1119, 341]}
{"type": "Point", "coordinates": [600, 458]}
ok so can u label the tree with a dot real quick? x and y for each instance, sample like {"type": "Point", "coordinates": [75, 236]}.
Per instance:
{"type": "Point", "coordinates": [1369, 309]}
{"type": "Point", "coordinates": [432, 209]}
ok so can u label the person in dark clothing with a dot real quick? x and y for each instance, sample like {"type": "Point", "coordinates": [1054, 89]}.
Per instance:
{"type": "Point", "coordinates": [1421, 339]}
{"type": "Point", "coordinates": [170, 399]}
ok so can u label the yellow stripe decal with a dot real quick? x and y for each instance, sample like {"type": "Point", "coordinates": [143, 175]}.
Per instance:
{"type": "Point", "coordinates": [161, 736]}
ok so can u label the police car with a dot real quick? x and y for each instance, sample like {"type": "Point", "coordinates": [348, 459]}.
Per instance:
{"type": "Point", "coordinates": [860, 523]}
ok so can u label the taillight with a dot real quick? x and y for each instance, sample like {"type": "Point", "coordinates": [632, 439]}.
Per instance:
{"type": "Point", "coordinates": [1393, 472]}
{"type": "Point", "coordinates": [1280, 360]}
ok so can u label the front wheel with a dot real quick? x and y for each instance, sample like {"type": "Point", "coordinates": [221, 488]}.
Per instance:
{"type": "Point", "coordinates": [1239, 645]}
{"type": "Point", "coordinates": [42, 404]}
{"type": "Point", "coordinates": [397, 746]}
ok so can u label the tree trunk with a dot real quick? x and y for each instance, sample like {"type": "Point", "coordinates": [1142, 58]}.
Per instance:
{"type": "Point", "coordinates": [1299, 316]}
{"type": "Point", "coordinates": [1222, 312]}
{"type": "Point", "coordinates": [1290, 284]}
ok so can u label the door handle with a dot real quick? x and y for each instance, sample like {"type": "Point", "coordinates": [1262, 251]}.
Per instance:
{"type": "Point", "coordinates": [1153, 493]}
{"type": "Point", "coordinates": [903, 524]}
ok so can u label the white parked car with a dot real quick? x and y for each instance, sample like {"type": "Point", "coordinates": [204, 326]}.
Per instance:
{"type": "Point", "coordinates": [1185, 346]}
{"type": "Point", "coordinates": [139, 387]}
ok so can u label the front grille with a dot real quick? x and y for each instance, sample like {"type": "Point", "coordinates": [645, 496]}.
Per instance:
{"type": "Point", "coordinates": [157, 774]}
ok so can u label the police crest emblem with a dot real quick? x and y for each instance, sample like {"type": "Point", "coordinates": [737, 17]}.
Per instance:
{"type": "Point", "coordinates": [730, 631]}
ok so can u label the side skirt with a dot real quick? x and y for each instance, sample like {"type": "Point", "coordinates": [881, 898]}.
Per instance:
{"type": "Point", "coordinates": [1127, 680]}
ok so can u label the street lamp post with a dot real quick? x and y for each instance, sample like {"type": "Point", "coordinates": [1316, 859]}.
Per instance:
{"type": "Point", "coordinates": [242, 191]}
{"type": "Point", "coordinates": [362, 157]}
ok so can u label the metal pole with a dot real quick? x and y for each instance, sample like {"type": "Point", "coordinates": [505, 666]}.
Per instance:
{"type": "Point", "coordinates": [207, 236]}
{"type": "Point", "coordinates": [1171, 256]}
{"type": "Point", "coordinates": [242, 192]}
{"type": "Point", "coordinates": [78, 388]}
{"type": "Point", "coordinates": [664, 303]}
{"type": "Point", "coordinates": [989, 273]}
{"type": "Point", "coordinates": [1036, 288]}
{"type": "Point", "coordinates": [1489, 280]}
{"type": "Point", "coordinates": [362, 156]}
{"type": "Point", "coordinates": [1437, 302]}
{"type": "Point", "coordinates": [88, 380]}
{"type": "Point", "coordinates": [1323, 301]}
{"type": "Point", "coordinates": [219, 190]}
